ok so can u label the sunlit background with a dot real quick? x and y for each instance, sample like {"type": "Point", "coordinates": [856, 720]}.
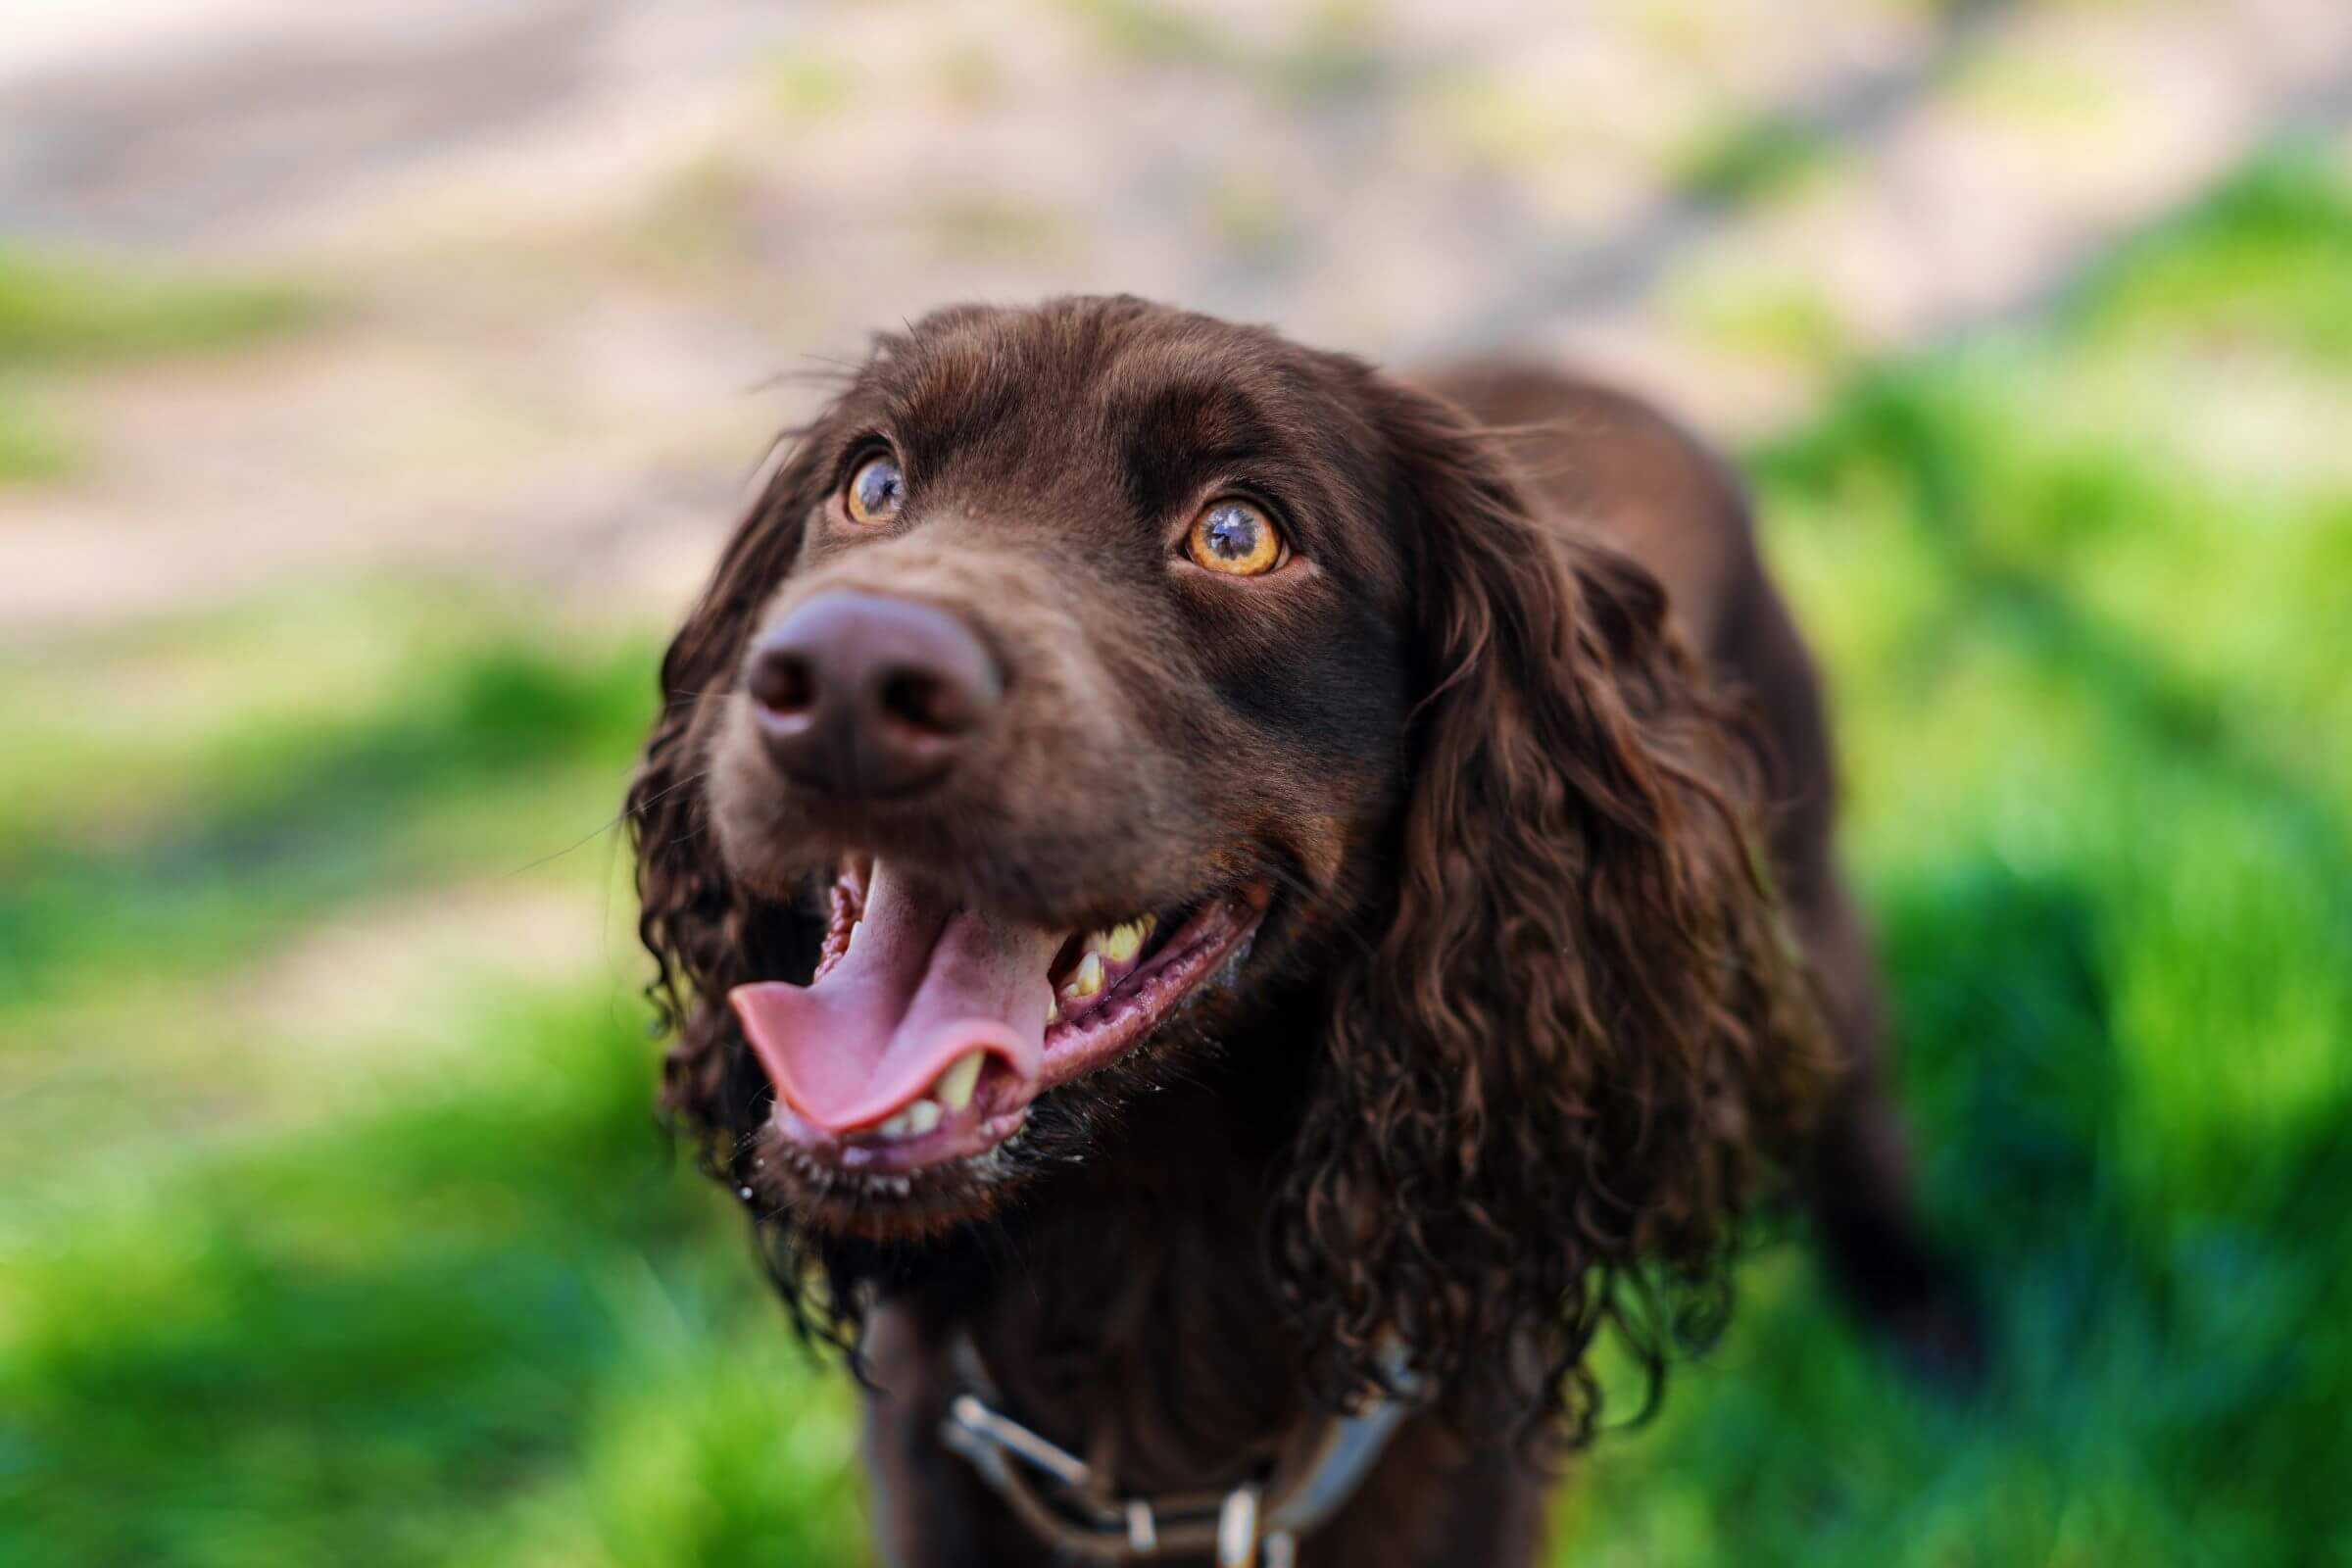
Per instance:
{"type": "Point", "coordinates": [375, 381]}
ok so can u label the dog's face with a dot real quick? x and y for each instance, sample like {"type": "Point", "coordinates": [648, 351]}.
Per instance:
{"type": "Point", "coordinates": [1073, 693]}
{"type": "Point", "coordinates": [1099, 695]}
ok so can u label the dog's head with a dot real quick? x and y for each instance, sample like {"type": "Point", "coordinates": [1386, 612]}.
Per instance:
{"type": "Point", "coordinates": [1091, 683]}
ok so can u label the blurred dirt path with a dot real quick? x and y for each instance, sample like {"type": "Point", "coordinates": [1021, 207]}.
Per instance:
{"type": "Point", "coordinates": [138, 123]}
{"type": "Point", "coordinates": [572, 242]}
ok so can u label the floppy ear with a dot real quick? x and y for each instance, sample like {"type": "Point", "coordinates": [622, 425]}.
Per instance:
{"type": "Point", "coordinates": [707, 935]}
{"type": "Point", "coordinates": [1551, 1082]}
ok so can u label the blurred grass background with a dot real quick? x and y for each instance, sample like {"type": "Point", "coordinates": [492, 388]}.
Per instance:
{"type": "Point", "coordinates": [333, 1225]}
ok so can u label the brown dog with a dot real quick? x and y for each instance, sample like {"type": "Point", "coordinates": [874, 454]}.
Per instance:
{"type": "Point", "coordinates": [1199, 886]}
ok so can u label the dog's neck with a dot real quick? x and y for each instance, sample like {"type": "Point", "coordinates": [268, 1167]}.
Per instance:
{"type": "Point", "coordinates": [1124, 1311]}
{"type": "Point", "coordinates": [1124, 1308]}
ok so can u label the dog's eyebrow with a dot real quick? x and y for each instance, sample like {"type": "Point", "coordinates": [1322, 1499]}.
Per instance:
{"type": "Point", "coordinates": [943, 401]}
{"type": "Point", "coordinates": [1174, 437]}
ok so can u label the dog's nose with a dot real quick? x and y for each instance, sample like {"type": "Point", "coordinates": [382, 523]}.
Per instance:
{"type": "Point", "coordinates": [863, 694]}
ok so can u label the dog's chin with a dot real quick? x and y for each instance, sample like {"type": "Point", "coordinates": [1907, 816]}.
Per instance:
{"type": "Point", "coordinates": [823, 1186]}
{"type": "Point", "coordinates": [939, 1055]}
{"type": "Point", "coordinates": [790, 1182]}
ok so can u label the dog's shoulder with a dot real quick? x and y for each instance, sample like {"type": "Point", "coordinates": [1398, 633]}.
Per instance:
{"type": "Point", "coordinates": [1597, 457]}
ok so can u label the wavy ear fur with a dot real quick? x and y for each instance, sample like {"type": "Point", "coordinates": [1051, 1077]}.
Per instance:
{"type": "Point", "coordinates": [706, 935]}
{"type": "Point", "coordinates": [1549, 1087]}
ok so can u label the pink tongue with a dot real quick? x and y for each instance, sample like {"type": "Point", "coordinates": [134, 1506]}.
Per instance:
{"type": "Point", "coordinates": [922, 984]}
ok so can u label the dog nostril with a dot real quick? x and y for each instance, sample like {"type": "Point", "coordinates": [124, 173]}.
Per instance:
{"type": "Point", "coordinates": [862, 693]}
{"type": "Point", "coordinates": [784, 684]}
{"type": "Point", "coordinates": [924, 702]}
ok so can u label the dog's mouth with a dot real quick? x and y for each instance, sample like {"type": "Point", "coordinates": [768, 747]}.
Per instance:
{"type": "Point", "coordinates": [928, 1028]}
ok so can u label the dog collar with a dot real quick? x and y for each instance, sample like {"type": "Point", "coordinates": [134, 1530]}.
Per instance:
{"type": "Point", "coordinates": [1257, 1524]}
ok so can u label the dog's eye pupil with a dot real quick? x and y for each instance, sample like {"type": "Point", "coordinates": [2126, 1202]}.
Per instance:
{"type": "Point", "coordinates": [875, 490]}
{"type": "Point", "coordinates": [1232, 533]}
{"type": "Point", "coordinates": [1234, 537]}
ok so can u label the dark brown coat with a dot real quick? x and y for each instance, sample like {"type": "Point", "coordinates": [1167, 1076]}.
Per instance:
{"type": "Point", "coordinates": [1558, 976]}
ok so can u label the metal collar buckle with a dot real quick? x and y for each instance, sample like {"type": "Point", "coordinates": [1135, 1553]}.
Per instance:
{"type": "Point", "coordinates": [1233, 1526]}
{"type": "Point", "coordinates": [1241, 1527]}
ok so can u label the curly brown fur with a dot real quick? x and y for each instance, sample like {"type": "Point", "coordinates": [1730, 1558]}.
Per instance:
{"type": "Point", "coordinates": [1554, 981]}
{"type": "Point", "coordinates": [1583, 1029]}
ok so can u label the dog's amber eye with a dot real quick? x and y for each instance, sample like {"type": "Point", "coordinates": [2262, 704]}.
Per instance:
{"type": "Point", "coordinates": [875, 491]}
{"type": "Point", "coordinates": [1236, 538]}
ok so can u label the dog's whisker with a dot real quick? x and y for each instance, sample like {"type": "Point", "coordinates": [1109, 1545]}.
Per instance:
{"type": "Point", "coordinates": [618, 817]}
{"type": "Point", "coordinates": [1319, 898]}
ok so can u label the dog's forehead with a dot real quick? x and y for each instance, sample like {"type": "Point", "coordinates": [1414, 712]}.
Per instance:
{"type": "Point", "coordinates": [1140, 393]}
{"type": "Point", "coordinates": [1062, 406]}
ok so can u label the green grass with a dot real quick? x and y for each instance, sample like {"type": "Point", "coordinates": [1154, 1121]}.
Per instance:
{"type": "Point", "coordinates": [493, 755]}
{"type": "Point", "coordinates": [1787, 321]}
{"type": "Point", "coordinates": [60, 313]}
{"type": "Point", "coordinates": [2262, 261]}
{"type": "Point", "coordinates": [422, 1332]}
{"type": "Point", "coordinates": [419, 1284]}
{"type": "Point", "coordinates": [2094, 710]}
{"type": "Point", "coordinates": [1750, 159]}
{"type": "Point", "coordinates": [808, 89]}
{"type": "Point", "coordinates": [1148, 33]}
{"type": "Point", "coordinates": [55, 308]}
{"type": "Point", "coordinates": [31, 447]}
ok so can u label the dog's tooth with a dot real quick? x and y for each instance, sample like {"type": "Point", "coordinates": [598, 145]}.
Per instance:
{"type": "Point", "coordinates": [851, 941]}
{"type": "Point", "coordinates": [1122, 942]}
{"type": "Point", "coordinates": [1087, 979]}
{"type": "Point", "coordinates": [955, 1085]}
{"type": "Point", "coordinates": [895, 1127]}
{"type": "Point", "coordinates": [1052, 1010]}
{"type": "Point", "coordinates": [922, 1116]}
